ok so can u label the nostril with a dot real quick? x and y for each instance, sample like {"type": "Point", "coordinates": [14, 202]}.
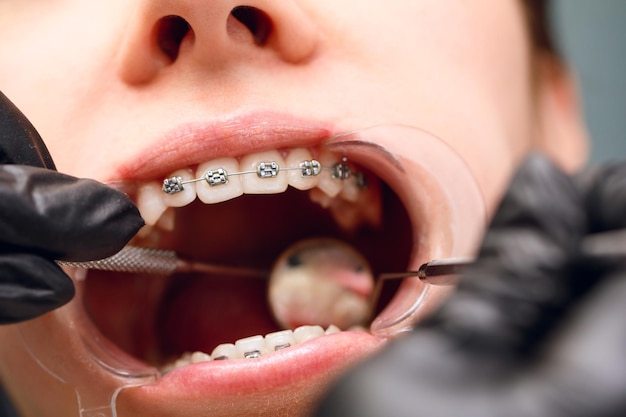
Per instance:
{"type": "Point", "coordinates": [170, 32]}
{"type": "Point", "coordinates": [255, 20]}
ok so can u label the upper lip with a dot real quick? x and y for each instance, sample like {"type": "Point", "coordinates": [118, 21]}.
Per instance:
{"type": "Point", "coordinates": [193, 143]}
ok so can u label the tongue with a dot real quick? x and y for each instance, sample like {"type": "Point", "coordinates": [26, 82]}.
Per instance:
{"type": "Point", "coordinates": [201, 312]}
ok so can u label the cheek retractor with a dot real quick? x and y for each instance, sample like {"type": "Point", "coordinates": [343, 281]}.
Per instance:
{"type": "Point", "coordinates": [81, 358]}
{"type": "Point", "coordinates": [438, 180]}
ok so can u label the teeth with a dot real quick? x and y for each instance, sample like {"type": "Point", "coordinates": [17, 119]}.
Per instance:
{"type": "Point", "coordinates": [332, 329]}
{"type": "Point", "coordinates": [187, 195]}
{"type": "Point", "coordinates": [356, 205]}
{"type": "Point", "coordinates": [198, 357]}
{"type": "Point", "coordinates": [296, 179]}
{"type": "Point", "coordinates": [306, 333]}
{"type": "Point", "coordinates": [261, 173]}
{"type": "Point", "coordinates": [253, 347]}
{"type": "Point", "coordinates": [350, 191]}
{"type": "Point", "coordinates": [327, 183]}
{"type": "Point", "coordinates": [225, 351]}
{"type": "Point", "coordinates": [150, 202]}
{"type": "Point", "coordinates": [320, 197]}
{"type": "Point", "coordinates": [184, 360]}
{"type": "Point", "coordinates": [279, 340]}
{"type": "Point", "coordinates": [218, 171]}
{"type": "Point", "coordinates": [250, 347]}
{"type": "Point", "coordinates": [269, 179]}
{"type": "Point", "coordinates": [330, 182]}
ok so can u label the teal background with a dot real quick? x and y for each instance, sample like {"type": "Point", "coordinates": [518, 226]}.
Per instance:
{"type": "Point", "coordinates": [592, 36]}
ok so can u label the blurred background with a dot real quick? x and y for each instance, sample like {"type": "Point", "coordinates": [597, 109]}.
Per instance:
{"type": "Point", "coordinates": [592, 36]}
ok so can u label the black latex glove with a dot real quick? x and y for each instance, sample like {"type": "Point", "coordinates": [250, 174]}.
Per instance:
{"type": "Point", "coordinates": [47, 216]}
{"type": "Point", "coordinates": [535, 328]}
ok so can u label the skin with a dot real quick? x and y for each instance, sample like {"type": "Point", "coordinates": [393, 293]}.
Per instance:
{"type": "Point", "coordinates": [461, 69]}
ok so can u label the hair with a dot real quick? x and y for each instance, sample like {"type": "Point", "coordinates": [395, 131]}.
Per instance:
{"type": "Point", "coordinates": [537, 13]}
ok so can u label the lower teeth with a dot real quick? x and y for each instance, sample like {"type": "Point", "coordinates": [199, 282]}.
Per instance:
{"type": "Point", "coordinates": [253, 347]}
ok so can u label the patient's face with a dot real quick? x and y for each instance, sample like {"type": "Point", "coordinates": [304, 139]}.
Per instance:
{"type": "Point", "coordinates": [142, 90]}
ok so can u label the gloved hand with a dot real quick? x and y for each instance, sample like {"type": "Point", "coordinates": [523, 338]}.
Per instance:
{"type": "Point", "coordinates": [47, 216]}
{"type": "Point", "coordinates": [536, 327]}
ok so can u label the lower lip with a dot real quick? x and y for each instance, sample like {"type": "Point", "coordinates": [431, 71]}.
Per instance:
{"type": "Point", "coordinates": [309, 362]}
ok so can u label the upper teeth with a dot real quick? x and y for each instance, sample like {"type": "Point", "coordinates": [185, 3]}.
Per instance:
{"type": "Point", "coordinates": [260, 173]}
{"type": "Point", "coordinates": [219, 172]}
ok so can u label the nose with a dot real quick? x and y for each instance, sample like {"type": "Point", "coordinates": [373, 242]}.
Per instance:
{"type": "Point", "coordinates": [212, 33]}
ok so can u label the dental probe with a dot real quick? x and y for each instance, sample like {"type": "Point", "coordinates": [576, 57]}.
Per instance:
{"type": "Point", "coordinates": [137, 260]}
{"type": "Point", "coordinates": [436, 272]}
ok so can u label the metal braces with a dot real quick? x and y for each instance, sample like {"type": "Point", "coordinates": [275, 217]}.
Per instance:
{"type": "Point", "coordinates": [265, 170]}
{"type": "Point", "coordinates": [252, 354]}
{"type": "Point", "coordinates": [281, 347]}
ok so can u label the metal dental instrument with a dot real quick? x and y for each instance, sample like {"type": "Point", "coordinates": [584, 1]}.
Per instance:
{"type": "Point", "coordinates": [136, 260]}
{"type": "Point", "coordinates": [436, 272]}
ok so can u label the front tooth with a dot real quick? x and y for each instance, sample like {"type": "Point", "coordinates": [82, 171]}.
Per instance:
{"type": "Point", "coordinates": [219, 192]}
{"type": "Point", "coordinates": [250, 347]}
{"type": "Point", "coordinates": [187, 195]}
{"type": "Point", "coordinates": [150, 202]}
{"type": "Point", "coordinates": [225, 351]}
{"type": "Point", "coordinates": [296, 180]}
{"type": "Point", "coordinates": [279, 340]}
{"type": "Point", "coordinates": [253, 184]}
{"type": "Point", "coordinates": [306, 333]}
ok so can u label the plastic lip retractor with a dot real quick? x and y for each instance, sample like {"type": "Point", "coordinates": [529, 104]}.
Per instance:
{"type": "Point", "coordinates": [444, 199]}
{"type": "Point", "coordinates": [93, 358]}
{"type": "Point", "coordinates": [444, 192]}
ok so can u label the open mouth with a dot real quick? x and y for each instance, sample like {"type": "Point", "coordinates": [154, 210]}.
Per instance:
{"type": "Point", "coordinates": [220, 341]}
{"type": "Point", "coordinates": [246, 220]}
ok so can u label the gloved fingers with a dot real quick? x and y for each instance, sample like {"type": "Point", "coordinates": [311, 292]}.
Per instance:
{"type": "Point", "coordinates": [19, 141]}
{"type": "Point", "coordinates": [513, 294]}
{"type": "Point", "coordinates": [62, 217]}
{"type": "Point", "coordinates": [581, 372]}
{"type": "Point", "coordinates": [605, 196]}
{"type": "Point", "coordinates": [31, 286]}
